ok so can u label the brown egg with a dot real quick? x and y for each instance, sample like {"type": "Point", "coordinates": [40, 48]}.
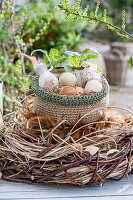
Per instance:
{"type": "Point", "coordinates": [80, 90]}
{"type": "Point", "coordinates": [68, 90]}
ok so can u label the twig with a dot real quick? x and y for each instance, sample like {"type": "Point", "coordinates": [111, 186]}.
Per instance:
{"type": "Point", "coordinates": [98, 20]}
{"type": "Point", "coordinates": [17, 44]}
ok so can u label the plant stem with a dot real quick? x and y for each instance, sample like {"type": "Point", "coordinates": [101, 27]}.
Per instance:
{"type": "Point", "coordinates": [98, 20]}
{"type": "Point", "coordinates": [14, 36]}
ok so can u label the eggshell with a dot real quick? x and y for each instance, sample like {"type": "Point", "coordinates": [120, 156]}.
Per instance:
{"type": "Point", "coordinates": [80, 90]}
{"type": "Point", "coordinates": [92, 76]}
{"type": "Point", "coordinates": [40, 68]}
{"type": "Point", "coordinates": [47, 80]}
{"type": "Point", "coordinates": [92, 149]}
{"type": "Point", "coordinates": [67, 79]}
{"type": "Point", "coordinates": [93, 86]}
{"type": "Point", "coordinates": [92, 66]}
{"type": "Point", "coordinates": [68, 90]}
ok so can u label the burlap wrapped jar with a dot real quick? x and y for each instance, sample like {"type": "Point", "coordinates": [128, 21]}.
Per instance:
{"type": "Point", "coordinates": [70, 108]}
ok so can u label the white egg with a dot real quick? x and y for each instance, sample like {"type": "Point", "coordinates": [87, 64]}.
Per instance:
{"type": "Point", "coordinates": [47, 80]}
{"type": "Point", "coordinates": [93, 86]}
{"type": "Point", "coordinates": [67, 79]}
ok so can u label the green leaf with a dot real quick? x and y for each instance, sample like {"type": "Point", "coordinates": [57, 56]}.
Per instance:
{"type": "Point", "coordinates": [45, 59]}
{"type": "Point", "coordinates": [130, 62]}
{"type": "Point", "coordinates": [123, 19]}
{"type": "Point", "coordinates": [68, 68]}
{"type": "Point", "coordinates": [97, 8]}
{"type": "Point", "coordinates": [72, 53]}
{"type": "Point", "coordinates": [62, 59]}
{"type": "Point", "coordinates": [90, 57]}
{"type": "Point", "coordinates": [99, 69]}
{"type": "Point", "coordinates": [54, 52]}
{"type": "Point", "coordinates": [43, 51]}
{"type": "Point", "coordinates": [86, 51]}
{"type": "Point", "coordinates": [73, 61]}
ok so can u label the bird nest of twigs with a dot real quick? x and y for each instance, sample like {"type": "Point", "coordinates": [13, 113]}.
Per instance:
{"type": "Point", "coordinates": [36, 148]}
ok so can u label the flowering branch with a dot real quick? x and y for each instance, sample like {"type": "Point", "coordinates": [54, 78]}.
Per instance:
{"type": "Point", "coordinates": [76, 11]}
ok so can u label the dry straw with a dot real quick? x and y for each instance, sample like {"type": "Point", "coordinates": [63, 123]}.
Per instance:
{"type": "Point", "coordinates": [39, 149]}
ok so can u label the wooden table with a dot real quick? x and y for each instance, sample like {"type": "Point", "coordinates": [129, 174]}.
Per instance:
{"type": "Point", "coordinates": [112, 190]}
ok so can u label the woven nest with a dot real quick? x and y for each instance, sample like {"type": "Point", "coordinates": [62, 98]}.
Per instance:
{"type": "Point", "coordinates": [37, 148]}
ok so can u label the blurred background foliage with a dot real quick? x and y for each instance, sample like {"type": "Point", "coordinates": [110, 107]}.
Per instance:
{"type": "Point", "coordinates": [34, 25]}
{"type": "Point", "coordinates": [40, 25]}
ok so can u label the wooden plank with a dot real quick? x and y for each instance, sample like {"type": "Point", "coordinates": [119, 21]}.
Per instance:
{"type": "Point", "coordinates": [111, 189]}
{"type": "Point", "coordinates": [119, 187]}
{"type": "Point", "coordinates": [84, 198]}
